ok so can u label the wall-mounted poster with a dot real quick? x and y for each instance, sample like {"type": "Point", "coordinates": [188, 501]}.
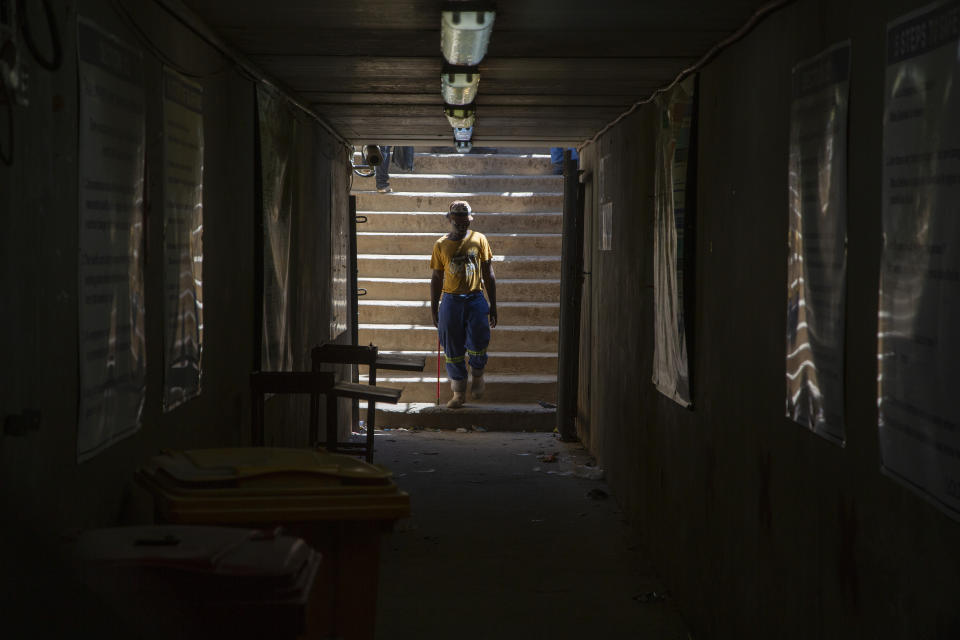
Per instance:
{"type": "Point", "coordinates": [111, 163]}
{"type": "Point", "coordinates": [817, 243]}
{"type": "Point", "coordinates": [606, 226]}
{"type": "Point", "coordinates": [671, 373]}
{"type": "Point", "coordinates": [304, 269]}
{"type": "Point", "coordinates": [606, 181]}
{"type": "Point", "coordinates": [280, 170]}
{"type": "Point", "coordinates": [919, 309]}
{"type": "Point", "coordinates": [183, 238]}
{"type": "Point", "coordinates": [339, 267]}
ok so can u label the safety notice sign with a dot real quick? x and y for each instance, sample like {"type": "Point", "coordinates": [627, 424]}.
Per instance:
{"type": "Point", "coordinates": [112, 329]}
{"type": "Point", "coordinates": [817, 243]}
{"type": "Point", "coordinates": [919, 306]}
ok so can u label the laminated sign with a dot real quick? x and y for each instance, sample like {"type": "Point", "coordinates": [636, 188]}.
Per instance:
{"type": "Point", "coordinates": [306, 248]}
{"type": "Point", "coordinates": [817, 243]}
{"type": "Point", "coordinates": [280, 173]}
{"type": "Point", "coordinates": [919, 308]}
{"type": "Point", "coordinates": [606, 181]}
{"type": "Point", "coordinates": [183, 237]}
{"type": "Point", "coordinates": [112, 358]}
{"type": "Point", "coordinates": [339, 268]}
{"type": "Point", "coordinates": [671, 373]}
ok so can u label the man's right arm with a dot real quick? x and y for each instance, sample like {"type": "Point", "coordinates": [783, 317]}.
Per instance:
{"type": "Point", "coordinates": [436, 290]}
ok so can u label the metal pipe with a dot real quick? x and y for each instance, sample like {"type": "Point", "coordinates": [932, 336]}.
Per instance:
{"type": "Point", "coordinates": [354, 310]}
{"type": "Point", "coordinates": [748, 26]}
{"type": "Point", "coordinates": [571, 286]}
{"type": "Point", "coordinates": [179, 12]}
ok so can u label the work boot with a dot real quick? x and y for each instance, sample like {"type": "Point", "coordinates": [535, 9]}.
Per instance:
{"type": "Point", "coordinates": [459, 388]}
{"type": "Point", "coordinates": [478, 385]}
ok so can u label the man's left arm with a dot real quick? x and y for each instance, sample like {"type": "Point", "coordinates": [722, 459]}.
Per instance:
{"type": "Point", "coordinates": [490, 284]}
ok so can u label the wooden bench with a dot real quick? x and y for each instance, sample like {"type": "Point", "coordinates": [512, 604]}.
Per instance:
{"type": "Point", "coordinates": [314, 383]}
{"type": "Point", "coordinates": [372, 358]}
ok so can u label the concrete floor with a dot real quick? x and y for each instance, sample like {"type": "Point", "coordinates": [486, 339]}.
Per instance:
{"type": "Point", "coordinates": [504, 544]}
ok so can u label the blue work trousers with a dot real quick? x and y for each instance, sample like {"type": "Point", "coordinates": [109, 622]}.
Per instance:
{"type": "Point", "coordinates": [382, 170]}
{"type": "Point", "coordinates": [464, 332]}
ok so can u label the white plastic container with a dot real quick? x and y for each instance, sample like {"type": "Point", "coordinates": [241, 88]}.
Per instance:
{"type": "Point", "coordinates": [464, 35]}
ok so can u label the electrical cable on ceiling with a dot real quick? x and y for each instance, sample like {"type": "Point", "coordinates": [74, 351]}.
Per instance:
{"type": "Point", "coordinates": [57, 55]}
{"type": "Point", "coordinates": [127, 17]}
{"type": "Point", "coordinates": [333, 154]}
{"type": "Point", "coordinates": [6, 100]}
{"type": "Point", "coordinates": [251, 71]}
{"type": "Point", "coordinates": [148, 42]}
{"type": "Point", "coordinates": [748, 26]}
{"type": "Point", "coordinates": [348, 157]}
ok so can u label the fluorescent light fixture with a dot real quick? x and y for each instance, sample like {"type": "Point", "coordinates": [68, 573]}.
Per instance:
{"type": "Point", "coordinates": [465, 29]}
{"type": "Point", "coordinates": [460, 116]}
{"type": "Point", "coordinates": [458, 85]}
{"type": "Point", "coordinates": [464, 146]}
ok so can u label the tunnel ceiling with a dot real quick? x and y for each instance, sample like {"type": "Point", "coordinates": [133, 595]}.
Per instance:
{"type": "Point", "coordinates": [555, 72]}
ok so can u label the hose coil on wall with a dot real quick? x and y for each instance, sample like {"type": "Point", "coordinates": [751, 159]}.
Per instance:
{"type": "Point", "coordinates": [56, 57]}
{"type": "Point", "coordinates": [6, 103]}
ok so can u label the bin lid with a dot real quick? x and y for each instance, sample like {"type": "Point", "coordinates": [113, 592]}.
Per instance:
{"type": "Point", "coordinates": [260, 485]}
{"type": "Point", "coordinates": [245, 564]}
{"type": "Point", "coordinates": [256, 466]}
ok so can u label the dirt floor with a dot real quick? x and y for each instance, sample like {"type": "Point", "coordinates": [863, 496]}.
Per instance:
{"type": "Point", "coordinates": [512, 535]}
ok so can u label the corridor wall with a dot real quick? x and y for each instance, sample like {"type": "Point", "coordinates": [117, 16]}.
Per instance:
{"type": "Point", "coordinates": [762, 529]}
{"type": "Point", "coordinates": [46, 495]}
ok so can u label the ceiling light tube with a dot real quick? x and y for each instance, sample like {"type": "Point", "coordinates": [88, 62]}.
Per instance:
{"type": "Point", "coordinates": [465, 29]}
{"type": "Point", "coordinates": [460, 116]}
{"type": "Point", "coordinates": [458, 85]}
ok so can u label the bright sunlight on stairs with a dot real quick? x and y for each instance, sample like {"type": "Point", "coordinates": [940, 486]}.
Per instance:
{"type": "Point", "coordinates": [517, 203]}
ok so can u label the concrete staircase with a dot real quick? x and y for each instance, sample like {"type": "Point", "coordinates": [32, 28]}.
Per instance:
{"type": "Point", "coordinates": [517, 204]}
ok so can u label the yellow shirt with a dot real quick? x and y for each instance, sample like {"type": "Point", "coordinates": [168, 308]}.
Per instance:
{"type": "Point", "coordinates": [460, 261]}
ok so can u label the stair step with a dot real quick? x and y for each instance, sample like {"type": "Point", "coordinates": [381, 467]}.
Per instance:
{"type": "Point", "coordinates": [418, 312]}
{"type": "Point", "coordinates": [451, 182]}
{"type": "Point", "coordinates": [518, 202]}
{"type": "Point", "coordinates": [414, 266]}
{"type": "Point", "coordinates": [499, 389]}
{"type": "Point", "coordinates": [517, 164]}
{"type": "Point", "coordinates": [480, 149]}
{"type": "Point", "coordinates": [421, 221]}
{"type": "Point", "coordinates": [492, 417]}
{"type": "Point", "coordinates": [512, 202]}
{"type": "Point", "coordinates": [424, 337]}
{"type": "Point", "coordinates": [500, 362]}
{"type": "Point", "coordinates": [505, 244]}
{"type": "Point", "coordinates": [535, 290]}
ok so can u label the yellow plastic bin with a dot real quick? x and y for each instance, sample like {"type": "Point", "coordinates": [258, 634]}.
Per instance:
{"type": "Point", "coordinates": [339, 505]}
